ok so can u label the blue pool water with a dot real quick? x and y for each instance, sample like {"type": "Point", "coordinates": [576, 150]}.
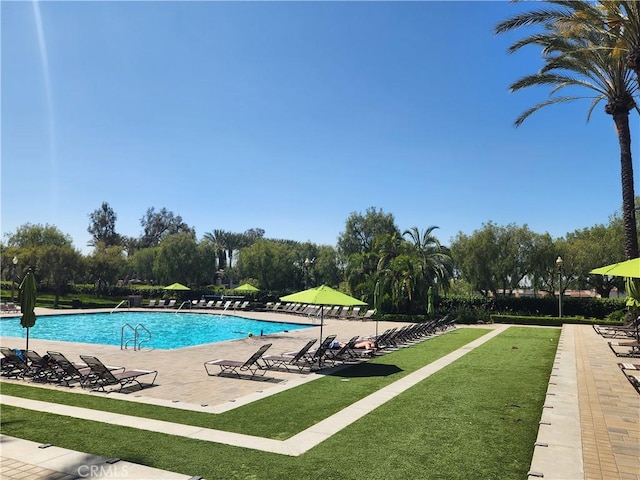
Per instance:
{"type": "Point", "coordinates": [168, 330]}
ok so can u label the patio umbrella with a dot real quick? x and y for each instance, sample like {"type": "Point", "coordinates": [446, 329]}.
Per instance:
{"type": "Point", "coordinates": [28, 302]}
{"type": "Point", "coordinates": [430, 301]}
{"type": "Point", "coordinates": [176, 286]}
{"type": "Point", "coordinates": [322, 295]}
{"type": "Point", "coordinates": [247, 287]}
{"type": "Point", "coordinates": [630, 268]}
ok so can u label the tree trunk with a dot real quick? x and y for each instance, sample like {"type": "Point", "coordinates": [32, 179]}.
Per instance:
{"type": "Point", "coordinates": [621, 120]}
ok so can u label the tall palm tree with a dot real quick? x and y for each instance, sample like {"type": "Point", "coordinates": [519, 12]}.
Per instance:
{"type": "Point", "coordinates": [579, 53]}
{"type": "Point", "coordinates": [436, 262]}
{"type": "Point", "coordinates": [219, 240]}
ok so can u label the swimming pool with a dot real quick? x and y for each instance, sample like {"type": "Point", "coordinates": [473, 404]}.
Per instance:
{"type": "Point", "coordinates": [168, 330]}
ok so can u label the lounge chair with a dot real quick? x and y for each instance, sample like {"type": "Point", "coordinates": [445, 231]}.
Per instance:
{"type": "Point", "coordinates": [355, 314]}
{"type": "Point", "coordinates": [152, 303]}
{"type": "Point", "coordinates": [40, 368]}
{"type": "Point", "coordinates": [68, 371]}
{"type": "Point", "coordinates": [14, 365]}
{"type": "Point", "coordinates": [629, 329]}
{"type": "Point", "coordinates": [367, 315]}
{"type": "Point", "coordinates": [341, 353]}
{"type": "Point", "coordinates": [171, 304]}
{"type": "Point", "coordinates": [632, 372]}
{"type": "Point", "coordinates": [287, 361]}
{"type": "Point", "coordinates": [342, 313]}
{"type": "Point", "coordinates": [199, 304]}
{"type": "Point", "coordinates": [11, 307]}
{"type": "Point", "coordinates": [235, 367]}
{"type": "Point", "coordinates": [160, 304]}
{"type": "Point", "coordinates": [318, 356]}
{"type": "Point", "coordinates": [625, 349]}
{"type": "Point", "coordinates": [103, 377]}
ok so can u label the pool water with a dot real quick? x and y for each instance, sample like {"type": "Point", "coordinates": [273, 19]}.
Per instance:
{"type": "Point", "coordinates": [168, 330]}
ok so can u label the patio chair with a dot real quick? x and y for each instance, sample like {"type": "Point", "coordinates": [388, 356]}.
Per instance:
{"type": "Point", "coordinates": [625, 349]}
{"type": "Point", "coordinates": [40, 368]}
{"type": "Point", "coordinates": [630, 329]}
{"type": "Point", "coordinates": [171, 304]}
{"type": "Point", "coordinates": [13, 365]}
{"type": "Point", "coordinates": [152, 303]}
{"type": "Point", "coordinates": [340, 353]}
{"type": "Point", "coordinates": [11, 307]}
{"type": "Point", "coordinates": [235, 367]}
{"type": "Point", "coordinates": [103, 377]}
{"type": "Point", "coordinates": [160, 304]}
{"type": "Point", "coordinates": [287, 361]}
{"type": "Point", "coordinates": [316, 357]}
{"type": "Point", "coordinates": [355, 314]}
{"type": "Point", "coordinates": [68, 371]}
{"type": "Point", "coordinates": [632, 372]}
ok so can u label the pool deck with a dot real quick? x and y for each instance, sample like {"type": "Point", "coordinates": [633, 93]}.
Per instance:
{"type": "Point", "coordinates": [590, 427]}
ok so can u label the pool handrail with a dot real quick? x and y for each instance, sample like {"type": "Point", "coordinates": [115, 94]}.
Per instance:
{"type": "Point", "coordinates": [118, 306]}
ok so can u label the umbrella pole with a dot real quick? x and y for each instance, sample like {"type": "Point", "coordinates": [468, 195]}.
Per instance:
{"type": "Point", "coordinates": [321, 321]}
{"type": "Point", "coordinates": [27, 348]}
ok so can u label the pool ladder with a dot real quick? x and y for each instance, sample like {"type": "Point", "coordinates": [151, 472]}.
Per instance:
{"type": "Point", "coordinates": [137, 341]}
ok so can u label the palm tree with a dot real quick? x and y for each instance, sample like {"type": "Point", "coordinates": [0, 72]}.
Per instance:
{"type": "Point", "coordinates": [219, 240]}
{"type": "Point", "coordinates": [580, 53]}
{"type": "Point", "coordinates": [436, 263]}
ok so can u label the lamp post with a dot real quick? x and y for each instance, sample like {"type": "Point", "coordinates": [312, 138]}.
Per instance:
{"type": "Point", "coordinates": [559, 264]}
{"type": "Point", "coordinates": [307, 264]}
{"type": "Point", "coordinates": [13, 274]}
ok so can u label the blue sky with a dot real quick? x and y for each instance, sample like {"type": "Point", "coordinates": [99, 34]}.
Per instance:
{"type": "Point", "coordinates": [289, 116]}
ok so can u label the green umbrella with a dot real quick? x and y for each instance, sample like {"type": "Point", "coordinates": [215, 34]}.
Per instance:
{"type": "Point", "coordinates": [630, 268]}
{"type": "Point", "coordinates": [322, 295]}
{"type": "Point", "coordinates": [176, 286]}
{"type": "Point", "coordinates": [247, 287]}
{"type": "Point", "coordinates": [28, 302]}
{"type": "Point", "coordinates": [632, 287]}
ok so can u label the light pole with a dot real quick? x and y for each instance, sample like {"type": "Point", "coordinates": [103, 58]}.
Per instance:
{"type": "Point", "coordinates": [13, 274]}
{"type": "Point", "coordinates": [559, 264]}
{"type": "Point", "coordinates": [307, 264]}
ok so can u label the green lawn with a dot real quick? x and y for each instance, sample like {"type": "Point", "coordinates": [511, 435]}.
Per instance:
{"type": "Point", "coordinates": [477, 418]}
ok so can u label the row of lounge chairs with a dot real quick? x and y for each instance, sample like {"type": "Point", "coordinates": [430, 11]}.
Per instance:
{"type": "Point", "coordinates": [8, 307]}
{"type": "Point", "coordinates": [329, 353]}
{"type": "Point", "coordinates": [335, 311]}
{"type": "Point", "coordinates": [54, 367]}
{"type": "Point", "coordinates": [625, 342]}
{"type": "Point", "coordinates": [202, 304]}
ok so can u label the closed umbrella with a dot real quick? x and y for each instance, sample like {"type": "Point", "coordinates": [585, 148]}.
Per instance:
{"type": "Point", "coordinates": [322, 295]}
{"type": "Point", "coordinates": [28, 302]}
{"type": "Point", "coordinates": [430, 301]}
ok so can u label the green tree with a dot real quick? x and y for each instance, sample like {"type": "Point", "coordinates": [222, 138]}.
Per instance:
{"type": "Point", "coordinates": [102, 226]}
{"type": "Point", "coordinates": [272, 263]}
{"type": "Point", "coordinates": [177, 260]}
{"type": "Point", "coordinates": [577, 53]}
{"type": "Point", "coordinates": [361, 231]}
{"type": "Point", "coordinates": [106, 265]}
{"type": "Point", "coordinates": [157, 225]}
{"type": "Point", "coordinates": [63, 264]}
{"type": "Point", "coordinates": [29, 244]}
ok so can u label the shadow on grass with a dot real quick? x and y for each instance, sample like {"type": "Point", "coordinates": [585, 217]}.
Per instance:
{"type": "Point", "coordinates": [367, 370]}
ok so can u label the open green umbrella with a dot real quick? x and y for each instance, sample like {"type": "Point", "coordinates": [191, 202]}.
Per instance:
{"type": "Point", "coordinates": [630, 268]}
{"type": "Point", "coordinates": [247, 287]}
{"type": "Point", "coordinates": [322, 295]}
{"type": "Point", "coordinates": [28, 302]}
{"type": "Point", "coordinates": [176, 286]}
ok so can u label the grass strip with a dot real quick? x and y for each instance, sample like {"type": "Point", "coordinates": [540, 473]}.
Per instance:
{"type": "Point", "coordinates": [476, 418]}
{"type": "Point", "coordinates": [292, 410]}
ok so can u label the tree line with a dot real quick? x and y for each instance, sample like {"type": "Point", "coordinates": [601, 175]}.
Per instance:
{"type": "Point", "coordinates": [389, 268]}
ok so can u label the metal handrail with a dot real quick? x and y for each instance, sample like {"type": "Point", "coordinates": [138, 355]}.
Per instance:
{"type": "Point", "coordinates": [124, 344]}
{"type": "Point", "coordinates": [186, 302]}
{"type": "Point", "coordinates": [140, 342]}
{"type": "Point", "coordinates": [118, 306]}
